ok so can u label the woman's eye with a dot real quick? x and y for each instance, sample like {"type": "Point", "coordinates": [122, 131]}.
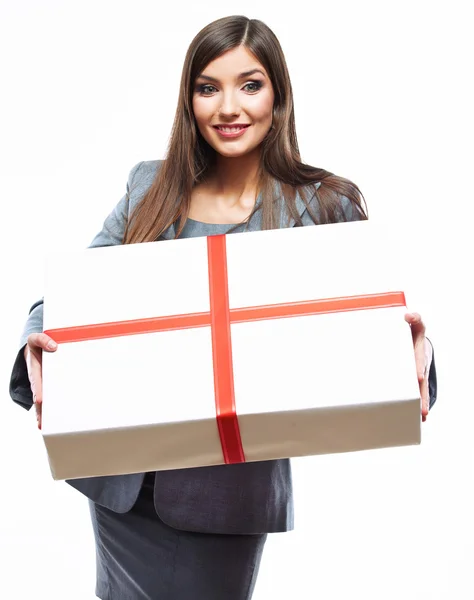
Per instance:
{"type": "Point", "coordinates": [253, 86]}
{"type": "Point", "coordinates": [207, 89]}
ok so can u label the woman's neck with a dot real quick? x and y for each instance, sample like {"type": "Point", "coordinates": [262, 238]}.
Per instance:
{"type": "Point", "coordinates": [235, 178]}
{"type": "Point", "coordinates": [229, 192]}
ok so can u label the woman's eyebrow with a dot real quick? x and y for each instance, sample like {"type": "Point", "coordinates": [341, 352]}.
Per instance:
{"type": "Point", "coordinates": [243, 75]}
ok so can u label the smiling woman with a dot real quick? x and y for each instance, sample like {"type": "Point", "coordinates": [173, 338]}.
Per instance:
{"type": "Point", "coordinates": [232, 165]}
{"type": "Point", "coordinates": [235, 76]}
{"type": "Point", "coordinates": [234, 107]}
{"type": "Point", "coordinates": [234, 115]}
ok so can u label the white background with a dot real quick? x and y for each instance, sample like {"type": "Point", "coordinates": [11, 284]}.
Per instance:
{"type": "Point", "coordinates": [382, 93]}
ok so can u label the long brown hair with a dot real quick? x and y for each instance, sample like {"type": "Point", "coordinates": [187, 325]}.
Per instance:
{"type": "Point", "coordinates": [190, 158]}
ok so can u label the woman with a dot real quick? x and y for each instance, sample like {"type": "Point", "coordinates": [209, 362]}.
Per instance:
{"type": "Point", "coordinates": [232, 164]}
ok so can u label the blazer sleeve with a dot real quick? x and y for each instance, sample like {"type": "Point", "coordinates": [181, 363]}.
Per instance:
{"type": "Point", "coordinates": [432, 380]}
{"type": "Point", "coordinates": [111, 234]}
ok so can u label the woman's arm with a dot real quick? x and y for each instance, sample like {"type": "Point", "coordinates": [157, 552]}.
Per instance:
{"type": "Point", "coordinates": [111, 234]}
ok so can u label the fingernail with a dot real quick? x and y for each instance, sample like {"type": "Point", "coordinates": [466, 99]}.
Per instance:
{"type": "Point", "coordinates": [51, 345]}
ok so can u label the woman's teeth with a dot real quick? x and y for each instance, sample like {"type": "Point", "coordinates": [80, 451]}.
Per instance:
{"type": "Point", "coordinates": [230, 129]}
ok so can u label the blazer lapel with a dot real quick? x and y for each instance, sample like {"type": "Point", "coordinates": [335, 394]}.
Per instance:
{"type": "Point", "coordinates": [256, 222]}
{"type": "Point", "coordinates": [168, 234]}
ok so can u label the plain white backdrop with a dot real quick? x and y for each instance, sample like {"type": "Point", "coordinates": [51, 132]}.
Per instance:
{"type": "Point", "coordinates": [383, 96]}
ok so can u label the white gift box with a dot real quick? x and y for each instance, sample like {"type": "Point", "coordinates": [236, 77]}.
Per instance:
{"type": "Point", "coordinates": [251, 346]}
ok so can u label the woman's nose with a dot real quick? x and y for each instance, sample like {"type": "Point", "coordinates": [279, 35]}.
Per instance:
{"type": "Point", "coordinates": [230, 106]}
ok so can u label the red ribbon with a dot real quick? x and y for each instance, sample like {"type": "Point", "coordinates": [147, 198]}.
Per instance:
{"type": "Point", "coordinates": [219, 319]}
{"type": "Point", "coordinates": [227, 420]}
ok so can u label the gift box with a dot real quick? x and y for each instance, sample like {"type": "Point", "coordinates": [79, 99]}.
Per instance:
{"type": "Point", "coordinates": [232, 348]}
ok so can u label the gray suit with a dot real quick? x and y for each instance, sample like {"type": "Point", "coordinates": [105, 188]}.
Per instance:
{"type": "Point", "coordinates": [240, 499]}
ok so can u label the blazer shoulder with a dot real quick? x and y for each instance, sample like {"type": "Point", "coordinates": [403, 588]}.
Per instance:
{"type": "Point", "coordinates": [140, 179]}
{"type": "Point", "coordinates": [345, 210]}
{"type": "Point", "coordinates": [147, 168]}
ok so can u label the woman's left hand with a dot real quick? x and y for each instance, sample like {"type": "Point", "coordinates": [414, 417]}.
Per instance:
{"type": "Point", "coordinates": [423, 357]}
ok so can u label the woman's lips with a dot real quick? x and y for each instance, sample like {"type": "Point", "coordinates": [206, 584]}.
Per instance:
{"type": "Point", "coordinates": [233, 131]}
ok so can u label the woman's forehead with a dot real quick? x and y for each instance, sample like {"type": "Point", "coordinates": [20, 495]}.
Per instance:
{"type": "Point", "coordinates": [234, 64]}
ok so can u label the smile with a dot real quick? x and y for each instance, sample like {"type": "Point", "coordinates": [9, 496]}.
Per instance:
{"type": "Point", "coordinates": [231, 131]}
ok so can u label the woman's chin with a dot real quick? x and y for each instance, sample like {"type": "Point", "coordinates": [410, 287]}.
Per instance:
{"type": "Point", "coordinates": [229, 152]}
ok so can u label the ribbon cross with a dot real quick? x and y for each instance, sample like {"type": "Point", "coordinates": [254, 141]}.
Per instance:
{"type": "Point", "coordinates": [219, 319]}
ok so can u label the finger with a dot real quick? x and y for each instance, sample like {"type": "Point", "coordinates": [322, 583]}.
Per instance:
{"type": "Point", "coordinates": [37, 342]}
{"type": "Point", "coordinates": [37, 389]}
{"type": "Point", "coordinates": [420, 357]}
{"type": "Point", "coordinates": [39, 410]}
{"type": "Point", "coordinates": [415, 321]}
{"type": "Point", "coordinates": [34, 375]}
{"type": "Point", "coordinates": [34, 370]}
{"type": "Point", "coordinates": [43, 341]}
{"type": "Point", "coordinates": [425, 399]}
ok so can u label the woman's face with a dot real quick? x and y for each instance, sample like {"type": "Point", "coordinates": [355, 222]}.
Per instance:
{"type": "Point", "coordinates": [233, 103]}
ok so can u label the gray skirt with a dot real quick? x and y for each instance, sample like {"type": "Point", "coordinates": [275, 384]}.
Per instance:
{"type": "Point", "coordinates": [139, 557]}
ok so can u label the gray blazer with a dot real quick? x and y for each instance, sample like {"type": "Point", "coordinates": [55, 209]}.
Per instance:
{"type": "Point", "coordinates": [240, 499]}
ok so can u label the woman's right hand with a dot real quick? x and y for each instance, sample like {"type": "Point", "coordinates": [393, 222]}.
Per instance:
{"type": "Point", "coordinates": [36, 343]}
